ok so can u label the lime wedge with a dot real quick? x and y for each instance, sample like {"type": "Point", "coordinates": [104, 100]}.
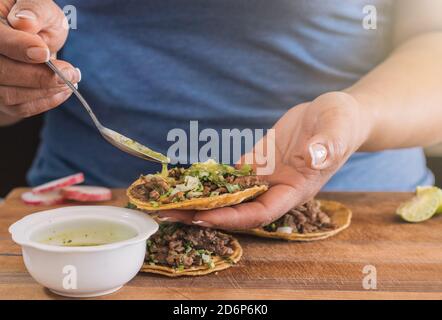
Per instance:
{"type": "Point", "coordinates": [436, 190]}
{"type": "Point", "coordinates": [420, 208]}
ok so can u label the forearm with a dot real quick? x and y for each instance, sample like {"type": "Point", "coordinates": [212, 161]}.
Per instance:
{"type": "Point", "coordinates": [402, 97]}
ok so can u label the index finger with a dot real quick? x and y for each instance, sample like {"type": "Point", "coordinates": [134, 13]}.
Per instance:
{"type": "Point", "coordinates": [271, 205]}
{"type": "Point", "coordinates": [22, 46]}
{"type": "Point", "coordinates": [19, 74]}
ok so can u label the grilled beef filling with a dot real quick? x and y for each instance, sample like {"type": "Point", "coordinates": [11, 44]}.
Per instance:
{"type": "Point", "coordinates": [304, 219]}
{"type": "Point", "coordinates": [180, 246]}
{"type": "Point", "coordinates": [200, 180]}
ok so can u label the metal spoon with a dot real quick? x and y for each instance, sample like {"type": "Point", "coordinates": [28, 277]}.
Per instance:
{"type": "Point", "coordinates": [118, 140]}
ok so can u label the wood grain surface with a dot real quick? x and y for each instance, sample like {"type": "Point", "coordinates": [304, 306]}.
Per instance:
{"type": "Point", "coordinates": [407, 257]}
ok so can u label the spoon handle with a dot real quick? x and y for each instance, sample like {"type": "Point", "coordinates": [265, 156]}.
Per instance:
{"type": "Point", "coordinates": [76, 92]}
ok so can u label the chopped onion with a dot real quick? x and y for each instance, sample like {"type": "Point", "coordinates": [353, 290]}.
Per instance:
{"type": "Point", "coordinates": [285, 230]}
{"type": "Point", "coordinates": [194, 194]}
{"type": "Point", "coordinates": [190, 184]}
{"type": "Point", "coordinates": [206, 258]}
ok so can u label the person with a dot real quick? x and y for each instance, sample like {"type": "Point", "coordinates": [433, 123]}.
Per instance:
{"type": "Point", "coordinates": [353, 106]}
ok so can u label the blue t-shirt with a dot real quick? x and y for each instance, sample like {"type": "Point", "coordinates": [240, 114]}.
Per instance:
{"type": "Point", "coordinates": [151, 66]}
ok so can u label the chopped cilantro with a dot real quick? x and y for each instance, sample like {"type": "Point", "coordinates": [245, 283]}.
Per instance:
{"type": "Point", "coordinates": [154, 204]}
{"type": "Point", "coordinates": [131, 206]}
{"type": "Point", "coordinates": [180, 267]}
{"type": "Point", "coordinates": [232, 187]}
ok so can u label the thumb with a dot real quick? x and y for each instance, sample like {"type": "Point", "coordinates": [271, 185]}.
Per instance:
{"type": "Point", "coordinates": [334, 137]}
{"type": "Point", "coordinates": [43, 18]}
{"type": "Point", "coordinates": [324, 152]}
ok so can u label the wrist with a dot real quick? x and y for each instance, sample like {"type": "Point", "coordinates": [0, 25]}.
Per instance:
{"type": "Point", "coordinates": [358, 120]}
{"type": "Point", "coordinates": [366, 119]}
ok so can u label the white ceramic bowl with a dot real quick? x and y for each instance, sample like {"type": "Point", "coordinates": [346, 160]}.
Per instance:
{"type": "Point", "coordinates": [83, 271]}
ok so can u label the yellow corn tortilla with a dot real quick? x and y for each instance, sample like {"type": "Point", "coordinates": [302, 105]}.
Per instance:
{"type": "Point", "coordinates": [220, 264]}
{"type": "Point", "coordinates": [205, 203]}
{"type": "Point", "coordinates": [339, 214]}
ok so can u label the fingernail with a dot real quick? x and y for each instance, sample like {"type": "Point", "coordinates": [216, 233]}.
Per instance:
{"type": "Point", "coordinates": [202, 223]}
{"type": "Point", "coordinates": [79, 74]}
{"type": "Point", "coordinates": [318, 153]}
{"type": "Point", "coordinates": [76, 85]}
{"type": "Point", "coordinates": [69, 74]}
{"type": "Point", "coordinates": [169, 219]}
{"type": "Point", "coordinates": [26, 14]}
{"type": "Point", "coordinates": [38, 54]}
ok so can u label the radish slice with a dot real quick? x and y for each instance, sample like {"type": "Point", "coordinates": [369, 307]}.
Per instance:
{"type": "Point", "coordinates": [288, 230]}
{"type": "Point", "coordinates": [47, 199]}
{"type": "Point", "coordinates": [86, 193]}
{"type": "Point", "coordinates": [59, 184]}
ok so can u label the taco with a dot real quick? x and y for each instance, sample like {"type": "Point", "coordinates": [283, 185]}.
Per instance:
{"type": "Point", "coordinates": [314, 220]}
{"type": "Point", "coordinates": [180, 250]}
{"type": "Point", "coordinates": [202, 186]}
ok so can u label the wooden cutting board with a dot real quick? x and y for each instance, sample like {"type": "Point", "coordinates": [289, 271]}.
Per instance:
{"type": "Point", "coordinates": [407, 258]}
